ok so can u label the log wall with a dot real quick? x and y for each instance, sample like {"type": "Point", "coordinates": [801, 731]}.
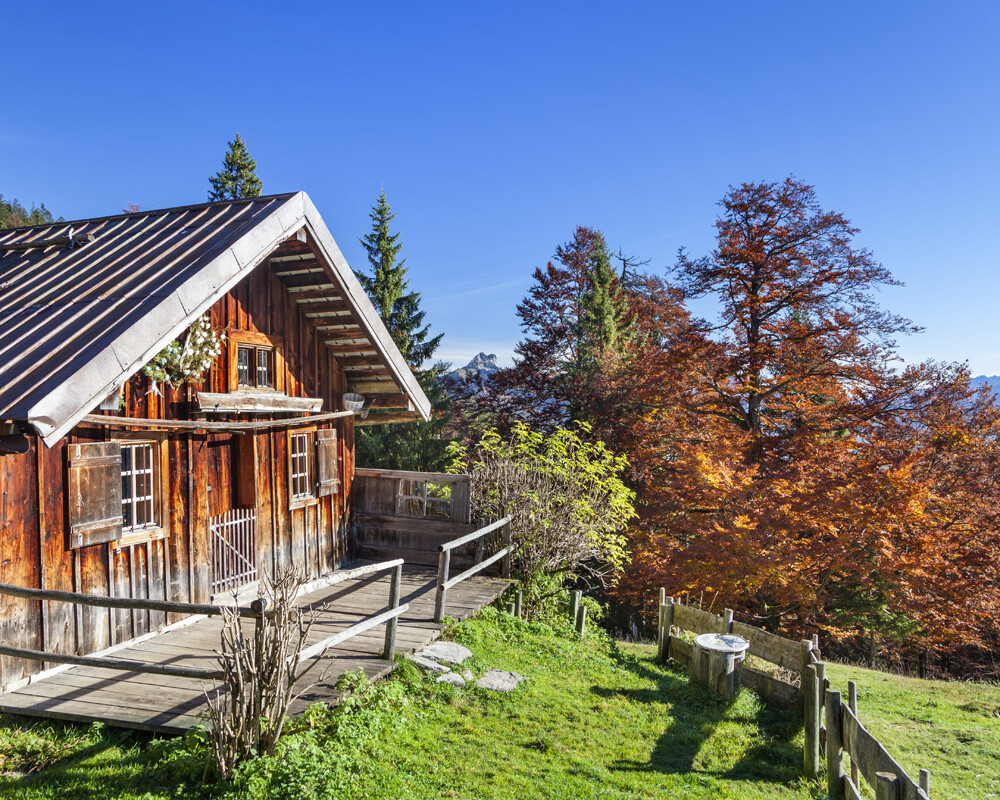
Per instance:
{"type": "Point", "coordinates": [34, 545]}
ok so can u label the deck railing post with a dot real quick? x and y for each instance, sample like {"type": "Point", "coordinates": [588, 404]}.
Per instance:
{"type": "Point", "coordinates": [395, 587]}
{"type": "Point", "coordinates": [440, 602]}
{"type": "Point", "coordinates": [260, 606]}
{"type": "Point", "coordinates": [505, 562]}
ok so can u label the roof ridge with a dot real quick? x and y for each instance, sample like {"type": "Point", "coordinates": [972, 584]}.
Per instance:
{"type": "Point", "coordinates": [150, 212]}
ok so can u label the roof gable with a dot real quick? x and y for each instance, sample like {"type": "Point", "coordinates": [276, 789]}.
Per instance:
{"type": "Point", "coordinates": [75, 322]}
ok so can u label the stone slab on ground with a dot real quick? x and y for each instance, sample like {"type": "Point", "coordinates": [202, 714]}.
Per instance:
{"type": "Point", "coordinates": [453, 678]}
{"type": "Point", "coordinates": [428, 664]}
{"type": "Point", "coordinates": [497, 680]}
{"type": "Point", "coordinates": [447, 652]}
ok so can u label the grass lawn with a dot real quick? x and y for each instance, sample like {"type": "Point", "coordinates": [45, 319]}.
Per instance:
{"type": "Point", "coordinates": [949, 727]}
{"type": "Point", "coordinates": [594, 720]}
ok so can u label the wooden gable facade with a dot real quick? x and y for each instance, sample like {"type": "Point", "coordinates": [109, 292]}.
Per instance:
{"type": "Point", "coordinates": [255, 475]}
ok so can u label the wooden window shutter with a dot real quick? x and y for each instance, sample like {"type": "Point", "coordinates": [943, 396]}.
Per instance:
{"type": "Point", "coordinates": [95, 493]}
{"type": "Point", "coordinates": [327, 463]}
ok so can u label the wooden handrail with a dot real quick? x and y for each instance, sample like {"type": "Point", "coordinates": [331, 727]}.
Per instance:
{"type": "Point", "coordinates": [125, 665]}
{"type": "Point", "coordinates": [140, 604]}
{"type": "Point", "coordinates": [477, 568]}
{"type": "Point", "coordinates": [366, 624]}
{"type": "Point", "coordinates": [444, 582]}
{"type": "Point", "coordinates": [410, 475]}
{"type": "Point", "coordinates": [471, 537]}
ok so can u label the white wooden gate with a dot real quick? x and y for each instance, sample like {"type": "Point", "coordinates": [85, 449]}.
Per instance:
{"type": "Point", "coordinates": [234, 549]}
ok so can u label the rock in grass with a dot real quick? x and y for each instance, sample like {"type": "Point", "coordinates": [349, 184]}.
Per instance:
{"type": "Point", "coordinates": [453, 678]}
{"type": "Point", "coordinates": [496, 680]}
{"type": "Point", "coordinates": [468, 675]}
{"type": "Point", "coordinates": [447, 652]}
{"type": "Point", "coordinates": [428, 664]}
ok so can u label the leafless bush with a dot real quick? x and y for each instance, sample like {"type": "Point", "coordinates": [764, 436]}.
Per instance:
{"type": "Point", "coordinates": [260, 661]}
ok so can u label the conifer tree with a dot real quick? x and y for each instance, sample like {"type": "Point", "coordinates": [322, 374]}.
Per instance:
{"type": "Point", "coordinates": [605, 320]}
{"type": "Point", "coordinates": [416, 445]}
{"type": "Point", "coordinates": [238, 177]}
{"type": "Point", "coordinates": [387, 287]}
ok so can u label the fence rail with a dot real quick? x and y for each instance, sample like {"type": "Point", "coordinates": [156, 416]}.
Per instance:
{"type": "Point", "coordinates": [444, 579]}
{"type": "Point", "coordinates": [843, 732]}
{"type": "Point", "coordinates": [256, 610]}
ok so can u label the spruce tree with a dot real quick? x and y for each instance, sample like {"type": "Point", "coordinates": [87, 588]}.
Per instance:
{"type": "Point", "coordinates": [416, 445]}
{"type": "Point", "coordinates": [387, 287]}
{"type": "Point", "coordinates": [238, 177]}
{"type": "Point", "coordinates": [605, 322]}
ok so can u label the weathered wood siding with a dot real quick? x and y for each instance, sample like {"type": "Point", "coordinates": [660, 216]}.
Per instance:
{"type": "Point", "coordinates": [381, 532]}
{"type": "Point", "coordinates": [34, 545]}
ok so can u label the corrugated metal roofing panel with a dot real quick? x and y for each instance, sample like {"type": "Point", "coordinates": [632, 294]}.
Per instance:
{"type": "Point", "coordinates": [75, 321]}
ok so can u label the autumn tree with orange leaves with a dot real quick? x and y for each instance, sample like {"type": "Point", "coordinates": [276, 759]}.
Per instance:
{"type": "Point", "coordinates": [787, 464]}
{"type": "Point", "coordinates": [814, 484]}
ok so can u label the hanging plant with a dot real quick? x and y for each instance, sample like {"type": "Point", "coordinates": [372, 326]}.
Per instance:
{"type": "Point", "coordinates": [185, 361]}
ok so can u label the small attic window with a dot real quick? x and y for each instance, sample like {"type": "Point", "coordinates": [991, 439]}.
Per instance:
{"type": "Point", "coordinates": [255, 366]}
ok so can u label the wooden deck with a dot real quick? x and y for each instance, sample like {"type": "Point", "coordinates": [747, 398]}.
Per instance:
{"type": "Point", "coordinates": [172, 705]}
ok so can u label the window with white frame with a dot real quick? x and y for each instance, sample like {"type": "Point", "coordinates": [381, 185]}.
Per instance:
{"type": "Point", "coordinates": [138, 486]}
{"type": "Point", "coordinates": [302, 469]}
{"type": "Point", "coordinates": [415, 498]}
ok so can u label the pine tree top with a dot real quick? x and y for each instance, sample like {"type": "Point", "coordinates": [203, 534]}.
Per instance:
{"type": "Point", "coordinates": [238, 177]}
{"type": "Point", "coordinates": [387, 287]}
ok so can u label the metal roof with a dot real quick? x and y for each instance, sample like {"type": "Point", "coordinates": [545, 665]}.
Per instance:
{"type": "Point", "coordinates": [96, 299]}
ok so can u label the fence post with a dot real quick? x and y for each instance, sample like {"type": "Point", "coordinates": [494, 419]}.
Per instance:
{"type": "Point", "coordinates": [852, 703]}
{"type": "Point", "coordinates": [574, 604]}
{"type": "Point", "coordinates": [505, 561]}
{"type": "Point", "coordinates": [727, 620]}
{"type": "Point", "coordinates": [390, 627]}
{"type": "Point", "coordinates": [834, 746]}
{"type": "Point", "coordinates": [440, 602]}
{"type": "Point", "coordinates": [518, 603]}
{"type": "Point", "coordinates": [667, 621]}
{"type": "Point", "coordinates": [886, 786]}
{"type": "Point", "coordinates": [925, 782]}
{"type": "Point", "coordinates": [811, 722]}
{"type": "Point", "coordinates": [581, 620]}
{"type": "Point", "coordinates": [663, 595]}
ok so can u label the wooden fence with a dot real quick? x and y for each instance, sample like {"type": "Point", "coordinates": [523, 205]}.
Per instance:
{"type": "Point", "coordinates": [840, 733]}
{"type": "Point", "coordinates": [834, 729]}
{"type": "Point", "coordinates": [256, 610]}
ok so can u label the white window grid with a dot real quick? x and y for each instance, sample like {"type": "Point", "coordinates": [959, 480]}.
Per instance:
{"type": "Point", "coordinates": [302, 484]}
{"type": "Point", "coordinates": [138, 495]}
{"type": "Point", "coordinates": [243, 365]}
{"type": "Point", "coordinates": [414, 499]}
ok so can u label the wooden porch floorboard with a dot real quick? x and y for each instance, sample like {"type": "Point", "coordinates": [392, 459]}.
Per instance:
{"type": "Point", "coordinates": [173, 705]}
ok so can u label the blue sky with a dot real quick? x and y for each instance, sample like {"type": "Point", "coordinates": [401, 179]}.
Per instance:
{"type": "Point", "coordinates": [495, 128]}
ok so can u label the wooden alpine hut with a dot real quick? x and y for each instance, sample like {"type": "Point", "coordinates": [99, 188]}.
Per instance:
{"type": "Point", "coordinates": [117, 480]}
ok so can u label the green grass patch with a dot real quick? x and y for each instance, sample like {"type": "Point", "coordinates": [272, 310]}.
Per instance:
{"type": "Point", "coordinates": [594, 720]}
{"type": "Point", "coordinates": [951, 728]}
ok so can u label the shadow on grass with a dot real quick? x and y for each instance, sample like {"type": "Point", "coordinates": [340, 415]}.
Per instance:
{"type": "Point", "coordinates": [111, 764]}
{"type": "Point", "coordinates": [698, 716]}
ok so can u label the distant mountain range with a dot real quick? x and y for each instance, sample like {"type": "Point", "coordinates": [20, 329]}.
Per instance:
{"type": "Point", "coordinates": [482, 365]}
{"type": "Point", "coordinates": [993, 381]}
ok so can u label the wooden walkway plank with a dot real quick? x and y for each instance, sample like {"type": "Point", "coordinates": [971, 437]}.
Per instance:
{"type": "Point", "coordinates": [172, 705]}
